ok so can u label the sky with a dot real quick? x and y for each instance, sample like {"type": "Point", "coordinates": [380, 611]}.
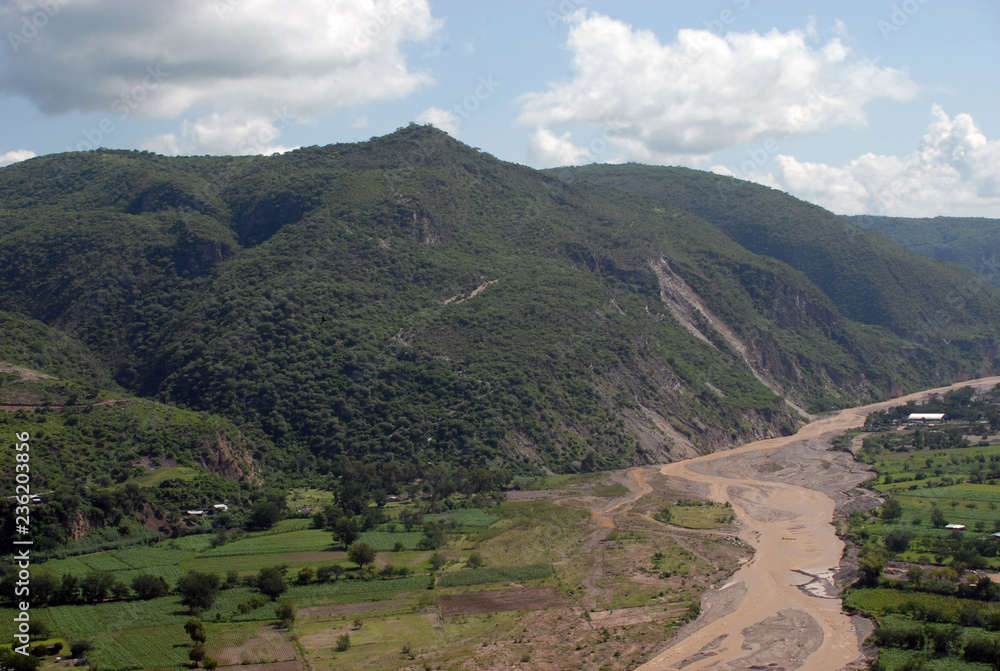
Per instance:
{"type": "Point", "coordinates": [873, 107]}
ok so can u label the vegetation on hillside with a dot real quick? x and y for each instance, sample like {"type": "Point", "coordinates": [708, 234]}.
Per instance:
{"type": "Point", "coordinates": [973, 242]}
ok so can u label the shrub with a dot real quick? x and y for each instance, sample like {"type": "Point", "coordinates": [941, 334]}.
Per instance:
{"type": "Point", "coordinates": [285, 610]}
{"type": "Point", "coordinates": [896, 634]}
{"type": "Point", "coordinates": [343, 642]}
{"type": "Point", "coordinates": [982, 648]}
{"type": "Point", "coordinates": [80, 648]}
{"type": "Point", "coordinates": [147, 586]}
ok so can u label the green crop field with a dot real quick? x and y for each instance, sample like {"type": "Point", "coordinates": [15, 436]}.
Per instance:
{"type": "Point", "coordinates": [354, 591]}
{"type": "Point", "coordinates": [481, 576]}
{"type": "Point", "coordinates": [384, 541]}
{"type": "Point", "coordinates": [306, 540]}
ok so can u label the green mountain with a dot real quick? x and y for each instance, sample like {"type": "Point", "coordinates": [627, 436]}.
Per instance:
{"type": "Point", "coordinates": [413, 299]}
{"type": "Point", "coordinates": [870, 279]}
{"type": "Point", "coordinates": [973, 242]}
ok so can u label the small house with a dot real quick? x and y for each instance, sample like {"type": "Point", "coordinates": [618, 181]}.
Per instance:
{"type": "Point", "coordinates": [956, 527]}
{"type": "Point", "coordinates": [196, 513]}
{"type": "Point", "coordinates": [220, 508]}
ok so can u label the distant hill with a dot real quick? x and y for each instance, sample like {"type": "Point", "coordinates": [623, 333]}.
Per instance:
{"type": "Point", "coordinates": [413, 299]}
{"type": "Point", "coordinates": [973, 242]}
{"type": "Point", "coordinates": [869, 278]}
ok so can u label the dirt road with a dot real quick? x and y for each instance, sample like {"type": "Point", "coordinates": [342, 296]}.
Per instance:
{"type": "Point", "coordinates": [783, 491]}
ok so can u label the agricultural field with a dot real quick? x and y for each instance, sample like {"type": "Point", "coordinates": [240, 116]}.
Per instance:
{"type": "Point", "coordinates": [516, 583]}
{"type": "Point", "coordinates": [927, 586]}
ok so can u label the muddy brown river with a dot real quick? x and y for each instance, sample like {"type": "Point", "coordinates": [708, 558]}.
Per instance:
{"type": "Point", "coordinates": [783, 612]}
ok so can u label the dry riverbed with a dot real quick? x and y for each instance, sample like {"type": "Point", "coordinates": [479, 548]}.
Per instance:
{"type": "Point", "coordinates": [781, 610]}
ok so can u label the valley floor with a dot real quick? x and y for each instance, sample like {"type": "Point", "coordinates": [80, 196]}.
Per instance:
{"type": "Point", "coordinates": [606, 572]}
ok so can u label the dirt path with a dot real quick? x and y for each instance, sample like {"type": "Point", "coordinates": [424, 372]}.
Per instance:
{"type": "Point", "coordinates": [790, 616]}
{"type": "Point", "coordinates": [606, 517]}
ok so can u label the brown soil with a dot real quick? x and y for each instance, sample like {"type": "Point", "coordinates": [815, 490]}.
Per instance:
{"type": "Point", "coordinates": [273, 666]}
{"type": "Point", "coordinates": [491, 602]}
{"type": "Point", "coordinates": [269, 644]}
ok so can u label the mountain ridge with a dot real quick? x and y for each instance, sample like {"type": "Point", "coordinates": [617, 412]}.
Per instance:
{"type": "Point", "coordinates": [413, 298]}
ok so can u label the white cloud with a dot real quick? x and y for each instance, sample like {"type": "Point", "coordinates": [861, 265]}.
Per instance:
{"type": "Point", "coordinates": [955, 170]}
{"type": "Point", "coordinates": [166, 144]}
{"type": "Point", "coordinates": [547, 149]}
{"type": "Point", "coordinates": [702, 92]}
{"type": "Point", "coordinates": [15, 156]}
{"type": "Point", "coordinates": [234, 132]}
{"type": "Point", "coordinates": [163, 59]}
{"type": "Point", "coordinates": [440, 118]}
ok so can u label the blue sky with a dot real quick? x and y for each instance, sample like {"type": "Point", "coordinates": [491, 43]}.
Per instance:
{"type": "Point", "coordinates": [863, 107]}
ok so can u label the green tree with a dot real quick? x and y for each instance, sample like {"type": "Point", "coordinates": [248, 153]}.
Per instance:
{"type": "Point", "coordinates": [148, 586]}
{"type": "Point", "coordinates": [80, 648]}
{"type": "Point", "coordinates": [198, 590]}
{"type": "Point", "coordinates": [196, 653]}
{"type": "Point", "coordinates": [872, 561]}
{"type": "Point", "coordinates": [898, 540]}
{"type": "Point", "coordinates": [361, 554]}
{"type": "Point", "coordinates": [937, 519]}
{"type": "Point", "coordinates": [346, 530]}
{"type": "Point", "coordinates": [410, 518]}
{"type": "Point", "coordinates": [285, 610]}
{"type": "Point", "coordinates": [17, 662]}
{"type": "Point", "coordinates": [95, 586]}
{"type": "Point", "coordinates": [264, 515]}
{"type": "Point", "coordinates": [44, 588]}
{"type": "Point", "coordinates": [271, 582]}
{"type": "Point", "coordinates": [195, 628]}
{"type": "Point", "coordinates": [437, 561]}
{"type": "Point", "coordinates": [891, 510]}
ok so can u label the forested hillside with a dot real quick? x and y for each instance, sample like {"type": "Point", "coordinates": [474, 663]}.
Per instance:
{"type": "Point", "coordinates": [973, 242]}
{"type": "Point", "coordinates": [412, 299]}
{"type": "Point", "coordinates": [869, 278]}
